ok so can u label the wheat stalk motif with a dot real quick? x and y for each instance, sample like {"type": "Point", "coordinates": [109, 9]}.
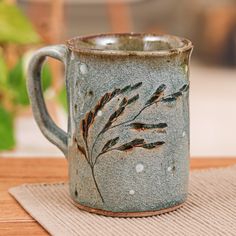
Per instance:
{"type": "Point", "coordinates": [113, 144]}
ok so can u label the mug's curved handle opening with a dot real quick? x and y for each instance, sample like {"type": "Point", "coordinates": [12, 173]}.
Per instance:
{"type": "Point", "coordinates": [47, 126]}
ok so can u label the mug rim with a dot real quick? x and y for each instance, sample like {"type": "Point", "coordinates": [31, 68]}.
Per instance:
{"type": "Point", "coordinates": [185, 44]}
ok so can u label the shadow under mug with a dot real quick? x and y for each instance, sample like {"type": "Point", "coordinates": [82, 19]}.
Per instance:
{"type": "Point", "coordinates": [127, 142]}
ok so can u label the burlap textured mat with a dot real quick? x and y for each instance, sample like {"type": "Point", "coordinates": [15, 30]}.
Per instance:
{"type": "Point", "coordinates": [210, 210]}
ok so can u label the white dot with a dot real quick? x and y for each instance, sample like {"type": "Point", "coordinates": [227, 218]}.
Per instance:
{"type": "Point", "coordinates": [83, 69]}
{"type": "Point", "coordinates": [169, 168]}
{"type": "Point", "coordinates": [183, 134]}
{"type": "Point", "coordinates": [139, 168]}
{"type": "Point", "coordinates": [186, 68]}
{"type": "Point", "coordinates": [72, 56]}
{"type": "Point", "coordinates": [131, 192]}
{"type": "Point", "coordinates": [99, 113]}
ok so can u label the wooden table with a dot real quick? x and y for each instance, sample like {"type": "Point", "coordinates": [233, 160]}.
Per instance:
{"type": "Point", "coordinates": [14, 220]}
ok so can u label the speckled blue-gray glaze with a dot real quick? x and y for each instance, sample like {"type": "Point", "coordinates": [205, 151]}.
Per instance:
{"type": "Point", "coordinates": [124, 155]}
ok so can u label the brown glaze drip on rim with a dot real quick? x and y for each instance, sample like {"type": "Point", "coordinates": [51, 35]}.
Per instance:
{"type": "Point", "coordinates": [125, 44]}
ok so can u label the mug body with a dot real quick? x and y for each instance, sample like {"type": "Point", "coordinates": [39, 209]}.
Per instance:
{"type": "Point", "coordinates": [128, 143]}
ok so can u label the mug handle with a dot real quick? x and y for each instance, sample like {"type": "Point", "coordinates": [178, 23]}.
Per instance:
{"type": "Point", "coordinates": [47, 126]}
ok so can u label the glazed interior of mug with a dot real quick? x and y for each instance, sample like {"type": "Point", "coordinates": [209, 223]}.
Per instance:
{"type": "Point", "coordinates": [129, 42]}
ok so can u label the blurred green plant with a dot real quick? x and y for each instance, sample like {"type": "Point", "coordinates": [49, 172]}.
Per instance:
{"type": "Point", "coordinates": [17, 82]}
{"type": "Point", "coordinates": [13, 95]}
{"type": "Point", "coordinates": [14, 29]}
{"type": "Point", "coordinates": [6, 129]}
{"type": "Point", "coordinates": [14, 26]}
{"type": "Point", "coordinates": [62, 98]}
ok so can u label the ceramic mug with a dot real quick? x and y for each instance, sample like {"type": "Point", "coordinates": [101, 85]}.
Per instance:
{"type": "Point", "coordinates": [127, 142]}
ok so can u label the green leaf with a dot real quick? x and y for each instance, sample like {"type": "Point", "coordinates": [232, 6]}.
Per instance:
{"type": "Point", "coordinates": [62, 97]}
{"type": "Point", "coordinates": [5, 92]}
{"type": "Point", "coordinates": [7, 139]}
{"type": "Point", "coordinates": [15, 27]}
{"type": "Point", "coordinates": [17, 83]}
{"type": "Point", "coordinates": [3, 70]}
{"type": "Point", "coordinates": [46, 77]}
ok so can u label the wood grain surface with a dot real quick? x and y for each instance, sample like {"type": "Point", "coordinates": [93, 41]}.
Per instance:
{"type": "Point", "coordinates": [15, 171]}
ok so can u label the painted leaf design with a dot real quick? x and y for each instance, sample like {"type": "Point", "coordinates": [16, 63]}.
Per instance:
{"type": "Point", "coordinates": [160, 89]}
{"type": "Point", "coordinates": [156, 95]}
{"type": "Point", "coordinates": [80, 148]}
{"type": "Point", "coordinates": [130, 145]}
{"type": "Point", "coordinates": [104, 99]}
{"type": "Point", "coordinates": [123, 102]}
{"type": "Point", "coordinates": [86, 123]}
{"type": "Point", "coordinates": [96, 109]}
{"type": "Point", "coordinates": [177, 94]}
{"type": "Point", "coordinates": [110, 144]}
{"type": "Point", "coordinates": [126, 89]}
{"type": "Point", "coordinates": [89, 119]}
{"type": "Point", "coordinates": [126, 102]}
{"type": "Point", "coordinates": [131, 88]}
{"type": "Point", "coordinates": [115, 92]}
{"type": "Point", "coordinates": [184, 88]}
{"type": "Point", "coordinates": [169, 99]}
{"type": "Point", "coordinates": [142, 126]}
{"type": "Point", "coordinates": [133, 99]}
{"type": "Point", "coordinates": [102, 102]}
{"type": "Point", "coordinates": [152, 145]}
{"type": "Point", "coordinates": [116, 114]}
{"type": "Point", "coordinates": [106, 127]}
{"type": "Point", "coordinates": [172, 97]}
{"type": "Point", "coordinates": [108, 96]}
{"type": "Point", "coordinates": [84, 129]}
{"type": "Point", "coordinates": [136, 86]}
{"type": "Point", "coordinates": [113, 118]}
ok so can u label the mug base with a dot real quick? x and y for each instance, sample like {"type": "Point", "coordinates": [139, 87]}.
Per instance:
{"type": "Point", "coordinates": [127, 214]}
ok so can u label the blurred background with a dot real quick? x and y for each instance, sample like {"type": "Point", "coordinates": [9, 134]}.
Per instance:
{"type": "Point", "coordinates": [26, 25]}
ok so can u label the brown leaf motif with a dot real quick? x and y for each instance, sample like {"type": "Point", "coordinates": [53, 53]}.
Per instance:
{"type": "Point", "coordinates": [153, 145]}
{"type": "Point", "coordinates": [80, 148]}
{"type": "Point", "coordinates": [84, 128]}
{"type": "Point", "coordinates": [156, 95]}
{"type": "Point", "coordinates": [133, 99]}
{"type": "Point", "coordinates": [136, 86]}
{"type": "Point", "coordinates": [142, 126]}
{"type": "Point", "coordinates": [110, 144]}
{"type": "Point", "coordinates": [128, 97]}
{"type": "Point", "coordinates": [139, 143]}
{"type": "Point", "coordinates": [130, 145]}
{"type": "Point", "coordinates": [113, 118]}
{"type": "Point", "coordinates": [174, 96]}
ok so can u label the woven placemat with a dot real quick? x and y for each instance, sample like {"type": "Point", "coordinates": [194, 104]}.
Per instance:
{"type": "Point", "coordinates": [209, 210]}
